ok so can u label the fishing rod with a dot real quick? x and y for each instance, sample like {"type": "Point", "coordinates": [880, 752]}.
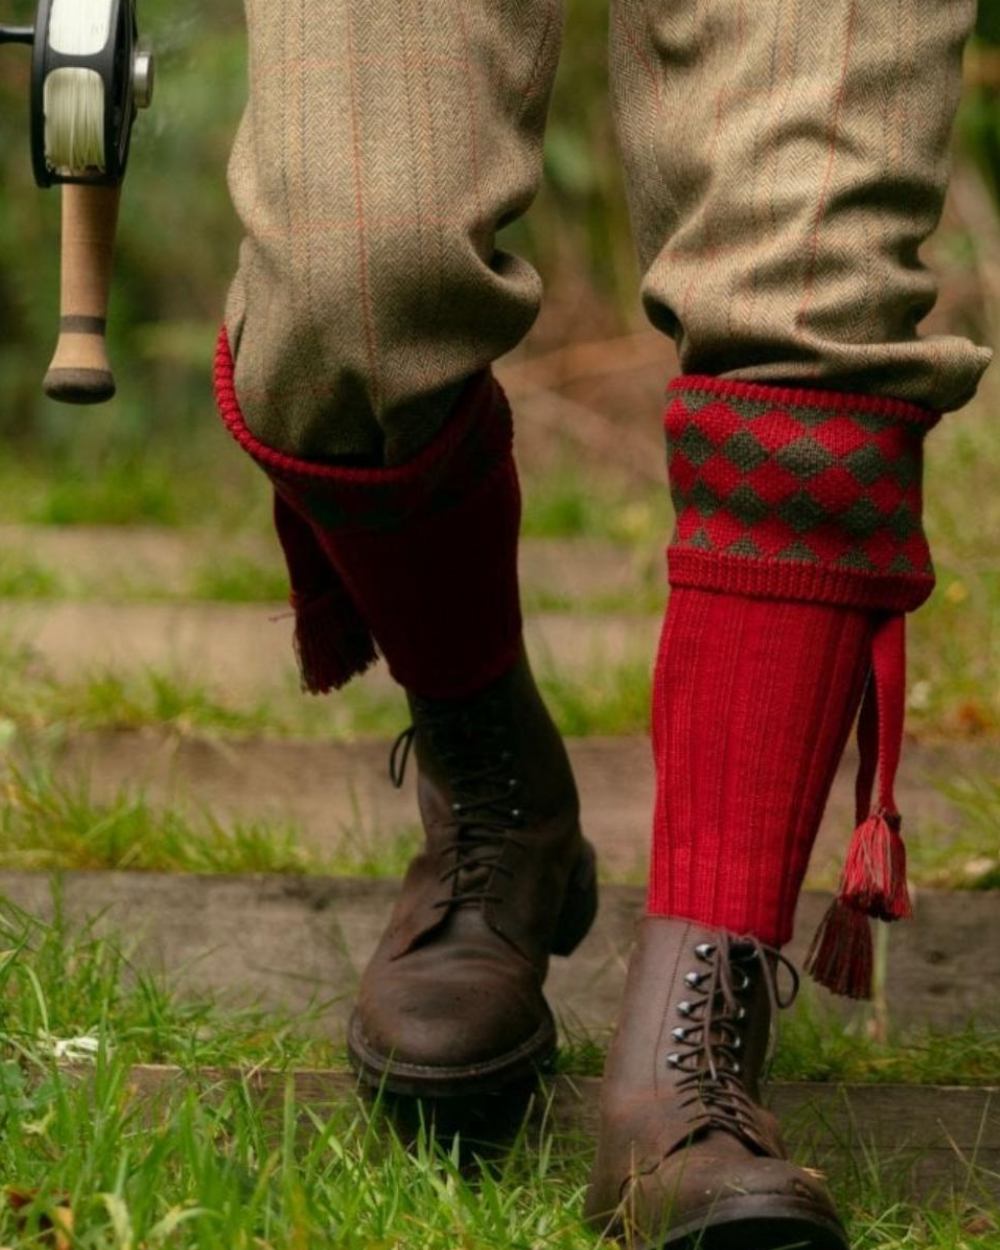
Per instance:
{"type": "Point", "coordinates": [90, 75]}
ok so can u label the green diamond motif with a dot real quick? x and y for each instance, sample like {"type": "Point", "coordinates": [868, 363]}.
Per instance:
{"type": "Point", "coordinates": [856, 560]}
{"type": "Point", "coordinates": [862, 518]}
{"type": "Point", "coordinates": [906, 471]}
{"type": "Point", "coordinates": [871, 422]}
{"type": "Point", "coordinates": [867, 464]}
{"type": "Point", "coordinates": [744, 451]}
{"type": "Point", "coordinates": [802, 512]}
{"type": "Point", "coordinates": [700, 540]}
{"type": "Point", "coordinates": [695, 445]}
{"type": "Point", "coordinates": [800, 552]}
{"type": "Point", "coordinates": [902, 524]}
{"type": "Point", "coordinates": [703, 499]}
{"type": "Point", "coordinates": [805, 458]}
{"type": "Point", "coordinates": [746, 505]}
{"type": "Point", "coordinates": [744, 547]}
{"type": "Point", "coordinates": [901, 564]}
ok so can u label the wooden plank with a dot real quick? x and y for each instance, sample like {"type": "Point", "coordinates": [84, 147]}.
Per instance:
{"type": "Point", "coordinates": [244, 651]}
{"type": "Point", "coordinates": [339, 798]}
{"type": "Point", "coordinates": [113, 562]}
{"type": "Point", "coordinates": [286, 941]}
{"type": "Point", "coordinates": [926, 1139]}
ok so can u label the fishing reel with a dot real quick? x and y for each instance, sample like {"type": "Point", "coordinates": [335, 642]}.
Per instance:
{"type": "Point", "coordinates": [90, 76]}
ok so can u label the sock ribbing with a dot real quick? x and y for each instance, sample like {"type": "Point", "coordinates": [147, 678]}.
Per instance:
{"type": "Point", "coordinates": [753, 702]}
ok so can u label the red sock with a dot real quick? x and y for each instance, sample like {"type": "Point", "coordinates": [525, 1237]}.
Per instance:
{"type": "Point", "coordinates": [798, 545]}
{"type": "Point", "coordinates": [753, 702]}
{"type": "Point", "coordinates": [420, 559]}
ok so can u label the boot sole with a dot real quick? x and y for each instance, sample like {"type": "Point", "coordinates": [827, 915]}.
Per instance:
{"type": "Point", "coordinates": [523, 1064]}
{"type": "Point", "coordinates": [753, 1223]}
{"type": "Point", "coordinates": [415, 1080]}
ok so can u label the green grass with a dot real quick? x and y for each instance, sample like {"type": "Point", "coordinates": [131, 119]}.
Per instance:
{"type": "Point", "coordinates": [968, 856]}
{"type": "Point", "coordinates": [230, 579]}
{"type": "Point", "coordinates": [108, 478]}
{"type": "Point", "coordinates": [50, 825]}
{"type": "Point", "coordinates": [224, 579]}
{"type": "Point", "coordinates": [602, 699]}
{"type": "Point", "coordinates": [33, 701]}
{"type": "Point", "coordinates": [221, 1169]}
{"type": "Point", "coordinates": [817, 1044]}
{"type": "Point", "coordinates": [46, 825]}
{"type": "Point", "coordinates": [61, 981]}
{"type": "Point", "coordinates": [571, 500]}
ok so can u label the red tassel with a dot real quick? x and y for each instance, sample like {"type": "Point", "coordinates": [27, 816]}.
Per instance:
{"type": "Point", "coordinates": [874, 878]}
{"type": "Point", "coordinates": [873, 883]}
{"type": "Point", "coordinates": [841, 955]}
{"type": "Point", "coordinates": [332, 642]}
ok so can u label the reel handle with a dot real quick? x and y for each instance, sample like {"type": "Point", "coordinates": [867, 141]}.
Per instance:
{"type": "Point", "coordinates": [80, 372]}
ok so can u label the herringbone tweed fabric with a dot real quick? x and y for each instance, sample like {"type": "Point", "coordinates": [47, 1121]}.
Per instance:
{"type": "Point", "coordinates": [785, 159]}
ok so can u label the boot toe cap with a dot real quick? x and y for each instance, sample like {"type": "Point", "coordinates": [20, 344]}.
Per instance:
{"type": "Point", "coordinates": [452, 1022]}
{"type": "Point", "coordinates": [774, 1191]}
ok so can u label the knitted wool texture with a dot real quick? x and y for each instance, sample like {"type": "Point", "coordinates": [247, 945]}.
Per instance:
{"type": "Point", "coordinates": [798, 537]}
{"type": "Point", "coordinates": [419, 560]}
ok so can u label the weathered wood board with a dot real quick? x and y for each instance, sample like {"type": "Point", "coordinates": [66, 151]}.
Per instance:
{"type": "Point", "coordinates": [928, 1140]}
{"type": "Point", "coordinates": [289, 941]}
{"type": "Point", "coordinates": [339, 798]}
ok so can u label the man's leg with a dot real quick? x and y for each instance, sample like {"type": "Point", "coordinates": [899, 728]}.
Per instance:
{"type": "Point", "coordinates": [383, 146]}
{"type": "Point", "coordinates": [786, 159]}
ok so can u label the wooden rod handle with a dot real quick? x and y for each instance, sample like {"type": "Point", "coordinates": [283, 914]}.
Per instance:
{"type": "Point", "coordinates": [80, 372]}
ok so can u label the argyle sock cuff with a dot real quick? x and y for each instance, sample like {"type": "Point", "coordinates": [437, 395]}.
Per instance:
{"type": "Point", "coordinates": [798, 494]}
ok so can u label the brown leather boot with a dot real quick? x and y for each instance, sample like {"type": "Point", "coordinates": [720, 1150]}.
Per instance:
{"type": "Point", "coordinates": [451, 1003]}
{"type": "Point", "coordinates": [686, 1155]}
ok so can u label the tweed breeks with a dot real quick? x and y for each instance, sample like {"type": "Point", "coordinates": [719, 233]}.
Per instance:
{"type": "Point", "coordinates": [785, 159]}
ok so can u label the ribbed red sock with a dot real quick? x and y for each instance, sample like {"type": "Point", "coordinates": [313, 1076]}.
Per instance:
{"type": "Point", "coordinates": [799, 546]}
{"type": "Point", "coordinates": [753, 703]}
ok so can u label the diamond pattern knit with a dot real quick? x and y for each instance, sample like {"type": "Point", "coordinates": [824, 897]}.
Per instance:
{"type": "Point", "coordinates": [806, 495]}
{"type": "Point", "coordinates": [798, 544]}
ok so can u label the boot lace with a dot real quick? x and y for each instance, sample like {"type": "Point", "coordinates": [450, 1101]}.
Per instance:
{"type": "Point", "coordinates": [478, 764]}
{"type": "Point", "coordinates": [709, 1049]}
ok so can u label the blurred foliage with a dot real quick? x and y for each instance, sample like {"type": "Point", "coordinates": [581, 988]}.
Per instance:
{"type": "Point", "coordinates": [177, 244]}
{"type": "Point", "coordinates": [979, 120]}
{"type": "Point", "coordinates": [179, 236]}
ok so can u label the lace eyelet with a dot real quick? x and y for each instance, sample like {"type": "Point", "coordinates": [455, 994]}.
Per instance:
{"type": "Point", "coordinates": [684, 1008]}
{"type": "Point", "coordinates": [737, 1068]}
{"type": "Point", "coordinates": [741, 1014]}
{"type": "Point", "coordinates": [704, 950]}
{"type": "Point", "coordinates": [673, 1060]}
{"type": "Point", "coordinates": [694, 979]}
{"type": "Point", "coordinates": [679, 1034]}
{"type": "Point", "coordinates": [512, 783]}
{"type": "Point", "coordinates": [516, 813]}
{"type": "Point", "coordinates": [737, 1043]}
{"type": "Point", "coordinates": [457, 809]}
